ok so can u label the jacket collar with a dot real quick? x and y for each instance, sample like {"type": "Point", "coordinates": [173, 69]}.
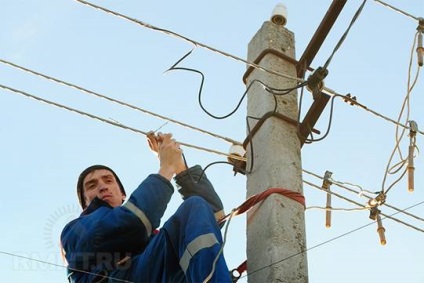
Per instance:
{"type": "Point", "coordinates": [94, 205]}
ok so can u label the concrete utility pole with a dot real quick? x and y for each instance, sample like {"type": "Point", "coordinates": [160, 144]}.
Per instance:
{"type": "Point", "coordinates": [276, 236]}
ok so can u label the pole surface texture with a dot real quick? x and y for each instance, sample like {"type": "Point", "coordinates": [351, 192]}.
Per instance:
{"type": "Point", "coordinates": [276, 235]}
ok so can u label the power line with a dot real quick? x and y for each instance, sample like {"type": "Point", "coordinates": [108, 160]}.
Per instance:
{"type": "Point", "coordinates": [354, 102]}
{"type": "Point", "coordinates": [109, 121]}
{"type": "Point", "coordinates": [355, 17]}
{"type": "Point", "coordinates": [325, 242]}
{"type": "Point", "coordinates": [116, 101]}
{"type": "Point", "coordinates": [117, 124]}
{"type": "Point", "coordinates": [361, 205]}
{"type": "Point", "coordinates": [168, 32]}
{"type": "Point", "coordinates": [195, 43]}
{"type": "Point", "coordinates": [257, 270]}
{"type": "Point", "coordinates": [329, 91]}
{"type": "Point", "coordinates": [336, 209]}
{"type": "Point", "coordinates": [61, 266]}
{"type": "Point", "coordinates": [335, 194]}
{"type": "Point", "coordinates": [397, 10]}
{"type": "Point", "coordinates": [341, 185]}
{"type": "Point", "coordinates": [398, 138]}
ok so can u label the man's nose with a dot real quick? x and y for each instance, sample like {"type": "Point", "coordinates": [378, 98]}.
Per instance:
{"type": "Point", "coordinates": [103, 187]}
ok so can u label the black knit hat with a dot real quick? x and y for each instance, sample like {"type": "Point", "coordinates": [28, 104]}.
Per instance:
{"type": "Point", "coordinates": [80, 191]}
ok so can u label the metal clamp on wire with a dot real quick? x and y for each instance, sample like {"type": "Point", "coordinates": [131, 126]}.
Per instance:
{"type": "Point", "coordinates": [349, 99]}
{"type": "Point", "coordinates": [380, 199]}
{"type": "Point", "coordinates": [374, 203]}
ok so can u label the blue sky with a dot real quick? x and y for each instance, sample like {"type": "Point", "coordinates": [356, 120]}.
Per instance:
{"type": "Point", "coordinates": [44, 147]}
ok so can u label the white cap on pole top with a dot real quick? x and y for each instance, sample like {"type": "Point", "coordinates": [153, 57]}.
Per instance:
{"type": "Point", "coordinates": [279, 14]}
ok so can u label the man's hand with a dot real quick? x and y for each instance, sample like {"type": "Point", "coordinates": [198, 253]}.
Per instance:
{"type": "Point", "coordinates": [169, 153]}
{"type": "Point", "coordinates": [153, 141]}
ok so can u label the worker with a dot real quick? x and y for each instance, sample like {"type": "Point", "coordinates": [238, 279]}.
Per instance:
{"type": "Point", "coordinates": [115, 240]}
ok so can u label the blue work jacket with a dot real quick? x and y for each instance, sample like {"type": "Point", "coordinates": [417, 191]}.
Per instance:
{"type": "Point", "coordinates": [103, 236]}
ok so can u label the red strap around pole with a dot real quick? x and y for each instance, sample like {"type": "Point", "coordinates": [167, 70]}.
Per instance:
{"type": "Point", "coordinates": [249, 203]}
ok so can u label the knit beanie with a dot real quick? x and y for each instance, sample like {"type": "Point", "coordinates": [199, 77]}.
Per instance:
{"type": "Point", "coordinates": [80, 183]}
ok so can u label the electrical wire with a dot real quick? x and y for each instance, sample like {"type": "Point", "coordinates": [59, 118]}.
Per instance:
{"type": "Point", "coordinates": [173, 68]}
{"type": "Point", "coordinates": [74, 86]}
{"type": "Point", "coordinates": [341, 185]}
{"type": "Point", "coordinates": [324, 243]}
{"type": "Point", "coordinates": [272, 90]}
{"type": "Point", "coordinates": [335, 194]}
{"type": "Point", "coordinates": [397, 10]}
{"type": "Point", "coordinates": [341, 40]}
{"type": "Point", "coordinates": [221, 249]}
{"type": "Point", "coordinates": [111, 122]}
{"type": "Point", "coordinates": [168, 32]}
{"type": "Point", "coordinates": [363, 206]}
{"type": "Point", "coordinates": [252, 153]}
{"type": "Point", "coordinates": [327, 90]}
{"type": "Point", "coordinates": [117, 124]}
{"type": "Point", "coordinates": [398, 137]}
{"type": "Point", "coordinates": [122, 280]}
{"type": "Point", "coordinates": [275, 92]}
{"type": "Point", "coordinates": [250, 272]}
{"type": "Point", "coordinates": [362, 192]}
{"type": "Point", "coordinates": [195, 43]}
{"type": "Point", "coordinates": [61, 266]}
{"type": "Point", "coordinates": [330, 119]}
{"type": "Point", "coordinates": [206, 167]}
{"type": "Point", "coordinates": [228, 55]}
{"type": "Point", "coordinates": [325, 67]}
{"type": "Point", "coordinates": [336, 209]}
{"type": "Point", "coordinates": [354, 102]}
{"type": "Point", "coordinates": [202, 75]}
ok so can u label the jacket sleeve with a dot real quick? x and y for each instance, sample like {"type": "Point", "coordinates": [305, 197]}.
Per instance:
{"type": "Point", "coordinates": [149, 201]}
{"type": "Point", "coordinates": [194, 182]}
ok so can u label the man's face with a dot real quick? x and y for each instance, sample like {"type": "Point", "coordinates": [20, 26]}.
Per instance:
{"type": "Point", "coordinates": [101, 183]}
